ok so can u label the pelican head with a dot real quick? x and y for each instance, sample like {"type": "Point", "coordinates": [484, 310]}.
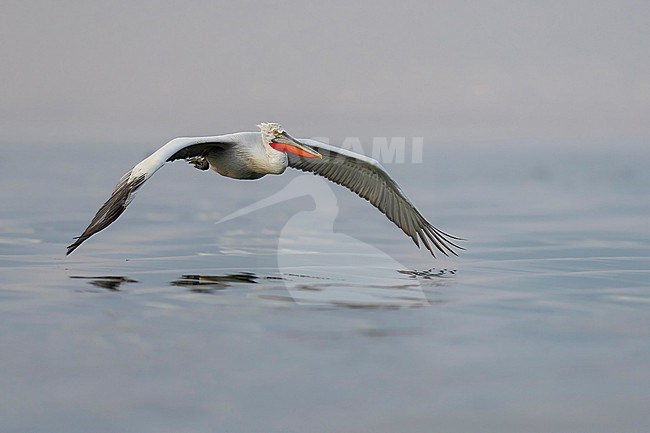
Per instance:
{"type": "Point", "coordinates": [275, 136]}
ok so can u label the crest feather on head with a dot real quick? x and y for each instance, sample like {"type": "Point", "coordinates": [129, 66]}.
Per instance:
{"type": "Point", "coordinates": [269, 130]}
{"type": "Point", "coordinates": [270, 127]}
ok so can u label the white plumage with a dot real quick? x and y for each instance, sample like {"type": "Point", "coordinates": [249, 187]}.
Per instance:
{"type": "Point", "coordinates": [252, 155]}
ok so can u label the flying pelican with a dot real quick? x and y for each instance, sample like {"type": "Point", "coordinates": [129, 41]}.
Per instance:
{"type": "Point", "coordinates": [252, 155]}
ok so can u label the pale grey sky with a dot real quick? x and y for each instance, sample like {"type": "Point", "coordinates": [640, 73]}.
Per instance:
{"type": "Point", "coordinates": [145, 71]}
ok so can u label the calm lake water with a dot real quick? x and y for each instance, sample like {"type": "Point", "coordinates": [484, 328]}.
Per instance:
{"type": "Point", "coordinates": [314, 313]}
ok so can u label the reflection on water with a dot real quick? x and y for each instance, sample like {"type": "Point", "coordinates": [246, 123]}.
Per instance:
{"type": "Point", "coordinates": [108, 282]}
{"type": "Point", "coordinates": [213, 283]}
{"type": "Point", "coordinates": [215, 280]}
{"type": "Point", "coordinates": [429, 274]}
{"type": "Point", "coordinates": [391, 291]}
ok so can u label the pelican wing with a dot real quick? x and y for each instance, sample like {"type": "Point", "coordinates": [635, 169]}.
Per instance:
{"type": "Point", "coordinates": [132, 180]}
{"type": "Point", "coordinates": [368, 179]}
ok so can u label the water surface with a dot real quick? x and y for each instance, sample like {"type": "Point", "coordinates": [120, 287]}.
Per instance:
{"type": "Point", "coordinates": [310, 317]}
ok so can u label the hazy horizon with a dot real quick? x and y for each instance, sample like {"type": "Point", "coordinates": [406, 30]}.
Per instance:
{"type": "Point", "coordinates": [124, 72]}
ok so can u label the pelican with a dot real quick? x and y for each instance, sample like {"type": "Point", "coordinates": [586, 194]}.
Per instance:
{"type": "Point", "coordinates": [252, 155]}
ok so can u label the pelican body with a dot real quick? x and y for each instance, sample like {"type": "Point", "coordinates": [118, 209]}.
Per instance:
{"type": "Point", "coordinates": [252, 155]}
